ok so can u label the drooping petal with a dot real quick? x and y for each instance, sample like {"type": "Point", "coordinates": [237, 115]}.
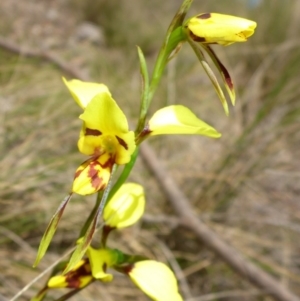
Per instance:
{"type": "Point", "coordinates": [156, 280]}
{"type": "Point", "coordinates": [84, 92]}
{"type": "Point", "coordinates": [126, 207]}
{"type": "Point", "coordinates": [178, 119]}
{"type": "Point", "coordinates": [92, 176]}
{"type": "Point", "coordinates": [100, 260]}
{"type": "Point", "coordinates": [218, 28]}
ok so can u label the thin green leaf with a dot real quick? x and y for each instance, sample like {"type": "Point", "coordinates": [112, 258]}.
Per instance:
{"type": "Point", "coordinates": [47, 237]}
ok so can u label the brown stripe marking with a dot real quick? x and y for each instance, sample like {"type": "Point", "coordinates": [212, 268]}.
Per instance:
{"type": "Point", "coordinates": [91, 132]}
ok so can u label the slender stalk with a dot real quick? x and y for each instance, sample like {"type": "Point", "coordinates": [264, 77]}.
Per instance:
{"type": "Point", "coordinates": [124, 175]}
{"type": "Point", "coordinates": [172, 38]}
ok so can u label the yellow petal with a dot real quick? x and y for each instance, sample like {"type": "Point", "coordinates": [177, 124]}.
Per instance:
{"type": "Point", "coordinates": [125, 147]}
{"type": "Point", "coordinates": [220, 29]}
{"type": "Point", "coordinates": [179, 120]}
{"type": "Point", "coordinates": [84, 92]}
{"type": "Point", "coordinates": [91, 176]}
{"type": "Point", "coordinates": [100, 260]}
{"type": "Point", "coordinates": [156, 280]}
{"type": "Point", "coordinates": [126, 207]}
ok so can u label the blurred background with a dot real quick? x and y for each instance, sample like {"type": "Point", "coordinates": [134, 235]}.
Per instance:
{"type": "Point", "coordinates": [245, 186]}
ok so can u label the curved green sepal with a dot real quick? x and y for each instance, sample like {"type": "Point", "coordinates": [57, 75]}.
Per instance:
{"type": "Point", "coordinates": [47, 237]}
{"type": "Point", "coordinates": [210, 74]}
{"type": "Point", "coordinates": [223, 72]}
{"type": "Point", "coordinates": [145, 90]}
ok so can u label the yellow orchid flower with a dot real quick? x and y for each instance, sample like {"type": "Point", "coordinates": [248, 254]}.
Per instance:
{"type": "Point", "coordinates": [156, 280]}
{"type": "Point", "coordinates": [104, 136]}
{"type": "Point", "coordinates": [214, 28]}
{"type": "Point", "coordinates": [86, 270]}
{"type": "Point", "coordinates": [126, 207]}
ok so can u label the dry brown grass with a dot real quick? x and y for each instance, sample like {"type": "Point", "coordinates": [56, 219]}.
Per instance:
{"type": "Point", "coordinates": [245, 185]}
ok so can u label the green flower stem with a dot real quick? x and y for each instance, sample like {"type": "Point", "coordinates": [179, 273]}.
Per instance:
{"type": "Point", "coordinates": [173, 37]}
{"type": "Point", "coordinates": [100, 197]}
{"type": "Point", "coordinates": [105, 232]}
{"type": "Point", "coordinates": [145, 92]}
{"type": "Point", "coordinates": [92, 214]}
{"type": "Point", "coordinates": [124, 175]}
{"type": "Point", "coordinates": [106, 193]}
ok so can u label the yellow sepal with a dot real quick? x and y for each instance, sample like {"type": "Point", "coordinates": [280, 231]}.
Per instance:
{"type": "Point", "coordinates": [178, 119]}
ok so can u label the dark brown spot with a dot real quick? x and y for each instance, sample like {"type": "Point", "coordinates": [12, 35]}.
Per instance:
{"type": "Point", "coordinates": [109, 163]}
{"type": "Point", "coordinates": [83, 166]}
{"type": "Point", "coordinates": [128, 268]}
{"type": "Point", "coordinates": [196, 38]}
{"type": "Point", "coordinates": [229, 82]}
{"type": "Point", "coordinates": [204, 16]}
{"type": "Point", "coordinates": [122, 142]}
{"type": "Point", "coordinates": [77, 173]}
{"type": "Point", "coordinates": [145, 132]}
{"type": "Point", "coordinates": [91, 132]}
{"type": "Point", "coordinates": [104, 266]}
{"type": "Point", "coordinates": [73, 283]}
{"type": "Point", "coordinates": [73, 277]}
